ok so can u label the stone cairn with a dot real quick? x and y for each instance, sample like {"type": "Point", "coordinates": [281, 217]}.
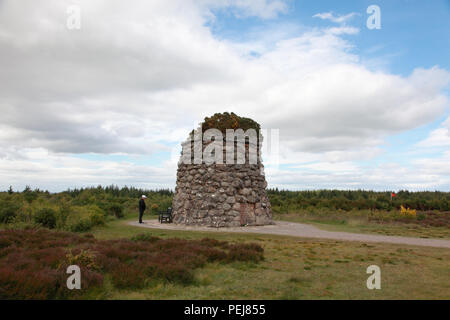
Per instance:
{"type": "Point", "coordinates": [221, 194]}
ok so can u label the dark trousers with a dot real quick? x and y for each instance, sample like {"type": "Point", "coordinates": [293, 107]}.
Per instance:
{"type": "Point", "coordinates": [141, 213]}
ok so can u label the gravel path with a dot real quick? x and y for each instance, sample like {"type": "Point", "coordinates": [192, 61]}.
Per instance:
{"type": "Point", "coordinates": [302, 230]}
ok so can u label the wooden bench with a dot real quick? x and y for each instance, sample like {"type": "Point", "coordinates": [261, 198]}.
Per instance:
{"type": "Point", "coordinates": [165, 216]}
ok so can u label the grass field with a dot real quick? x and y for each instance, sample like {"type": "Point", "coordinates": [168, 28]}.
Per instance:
{"type": "Point", "coordinates": [296, 268]}
{"type": "Point", "coordinates": [363, 225]}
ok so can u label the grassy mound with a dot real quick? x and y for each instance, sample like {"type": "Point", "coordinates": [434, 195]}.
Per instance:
{"type": "Point", "coordinates": [33, 262]}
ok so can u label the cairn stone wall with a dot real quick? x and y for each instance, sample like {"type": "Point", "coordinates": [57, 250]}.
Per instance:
{"type": "Point", "coordinates": [221, 195]}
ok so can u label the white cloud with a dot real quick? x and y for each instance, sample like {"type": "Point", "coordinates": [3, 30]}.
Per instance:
{"type": "Point", "coordinates": [423, 174]}
{"type": "Point", "coordinates": [439, 137]}
{"type": "Point", "coordinates": [343, 30]}
{"type": "Point", "coordinates": [335, 18]}
{"type": "Point", "coordinates": [55, 172]}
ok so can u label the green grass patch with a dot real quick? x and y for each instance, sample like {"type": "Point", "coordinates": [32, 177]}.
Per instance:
{"type": "Point", "coordinates": [361, 224]}
{"type": "Point", "coordinates": [288, 273]}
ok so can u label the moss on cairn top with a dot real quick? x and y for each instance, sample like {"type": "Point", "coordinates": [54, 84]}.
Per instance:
{"type": "Point", "coordinates": [223, 121]}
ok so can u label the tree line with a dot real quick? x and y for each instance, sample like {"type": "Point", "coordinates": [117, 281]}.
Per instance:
{"type": "Point", "coordinates": [80, 209]}
{"type": "Point", "coordinates": [289, 201]}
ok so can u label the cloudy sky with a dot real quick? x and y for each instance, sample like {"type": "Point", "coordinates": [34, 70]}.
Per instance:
{"type": "Point", "coordinates": [110, 102]}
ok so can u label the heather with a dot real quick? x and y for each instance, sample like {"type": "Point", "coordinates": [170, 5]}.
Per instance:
{"type": "Point", "coordinates": [33, 262]}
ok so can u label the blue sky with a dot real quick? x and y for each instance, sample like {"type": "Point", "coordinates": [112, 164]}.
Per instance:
{"type": "Point", "coordinates": [355, 108]}
{"type": "Point", "coordinates": [413, 33]}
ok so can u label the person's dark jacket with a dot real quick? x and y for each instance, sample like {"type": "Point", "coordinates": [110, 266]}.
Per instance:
{"type": "Point", "coordinates": [141, 205]}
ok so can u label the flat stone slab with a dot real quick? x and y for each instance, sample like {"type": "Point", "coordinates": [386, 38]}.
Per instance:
{"type": "Point", "coordinates": [301, 230]}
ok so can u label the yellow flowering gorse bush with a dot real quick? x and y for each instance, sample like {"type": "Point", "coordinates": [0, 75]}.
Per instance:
{"type": "Point", "coordinates": [407, 212]}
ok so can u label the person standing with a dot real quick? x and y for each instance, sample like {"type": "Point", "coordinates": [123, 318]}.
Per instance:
{"type": "Point", "coordinates": [141, 207]}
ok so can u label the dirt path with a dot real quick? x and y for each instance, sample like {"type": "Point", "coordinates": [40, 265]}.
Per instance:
{"type": "Point", "coordinates": [302, 230]}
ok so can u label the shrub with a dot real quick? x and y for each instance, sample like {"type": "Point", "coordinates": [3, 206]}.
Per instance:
{"type": "Point", "coordinates": [407, 212]}
{"type": "Point", "coordinates": [97, 219]}
{"type": "Point", "coordinates": [154, 208]}
{"type": "Point", "coordinates": [213, 254]}
{"type": "Point", "coordinates": [82, 258]}
{"type": "Point", "coordinates": [127, 276]}
{"type": "Point", "coordinates": [80, 225]}
{"type": "Point", "coordinates": [95, 214]}
{"type": "Point", "coordinates": [176, 273]}
{"type": "Point", "coordinates": [8, 210]}
{"type": "Point", "coordinates": [46, 217]}
{"type": "Point", "coordinates": [145, 237]}
{"type": "Point", "coordinates": [245, 252]}
{"type": "Point", "coordinates": [421, 216]}
{"type": "Point", "coordinates": [62, 214]}
{"type": "Point", "coordinates": [4, 242]}
{"type": "Point", "coordinates": [83, 218]}
{"type": "Point", "coordinates": [33, 262]}
{"type": "Point", "coordinates": [30, 196]}
{"type": "Point", "coordinates": [24, 284]}
{"type": "Point", "coordinates": [117, 210]}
